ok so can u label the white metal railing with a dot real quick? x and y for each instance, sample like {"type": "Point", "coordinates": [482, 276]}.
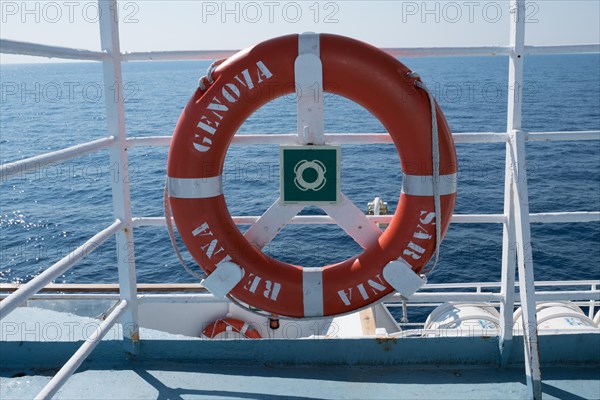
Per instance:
{"type": "Point", "coordinates": [42, 50]}
{"type": "Point", "coordinates": [21, 167]}
{"type": "Point", "coordinates": [121, 196]}
{"type": "Point", "coordinates": [516, 235]}
{"type": "Point", "coordinates": [377, 138]}
{"type": "Point", "coordinates": [558, 217]}
{"type": "Point", "coordinates": [435, 298]}
{"type": "Point", "coordinates": [516, 218]}
{"type": "Point", "coordinates": [430, 293]}
{"type": "Point", "coordinates": [39, 50]}
{"type": "Point", "coordinates": [82, 353]}
{"type": "Point", "coordinates": [39, 282]}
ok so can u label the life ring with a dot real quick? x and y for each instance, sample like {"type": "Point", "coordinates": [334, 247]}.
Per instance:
{"type": "Point", "coordinates": [219, 326]}
{"type": "Point", "coordinates": [250, 79]}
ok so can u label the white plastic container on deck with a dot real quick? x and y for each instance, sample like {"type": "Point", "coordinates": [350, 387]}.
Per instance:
{"type": "Point", "coordinates": [557, 316]}
{"type": "Point", "coordinates": [463, 319]}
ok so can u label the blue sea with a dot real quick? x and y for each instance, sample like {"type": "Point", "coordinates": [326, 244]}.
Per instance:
{"type": "Point", "coordinates": [48, 212]}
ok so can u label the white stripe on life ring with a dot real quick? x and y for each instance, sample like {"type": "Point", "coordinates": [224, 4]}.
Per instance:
{"type": "Point", "coordinates": [244, 328]}
{"type": "Point", "coordinates": [195, 188]}
{"type": "Point", "coordinates": [312, 290]}
{"type": "Point", "coordinates": [417, 185]}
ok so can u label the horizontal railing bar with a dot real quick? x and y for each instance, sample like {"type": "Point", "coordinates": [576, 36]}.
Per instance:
{"type": "Point", "coordinates": [375, 138]}
{"type": "Point", "coordinates": [180, 298]}
{"type": "Point", "coordinates": [448, 51]}
{"type": "Point", "coordinates": [563, 49]}
{"type": "Point", "coordinates": [41, 50]}
{"type": "Point", "coordinates": [422, 299]}
{"type": "Point", "coordinates": [449, 296]}
{"type": "Point", "coordinates": [325, 219]}
{"type": "Point", "coordinates": [36, 284]}
{"type": "Point", "coordinates": [497, 284]}
{"type": "Point", "coordinates": [11, 169]}
{"type": "Point", "coordinates": [424, 305]}
{"type": "Point", "coordinates": [453, 333]}
{"type": "Point", "coordinates": [70, 296]}
{"type": "Point", "coordinates": [480, 137]}
{"type": "Point", "coordinates": [566, 136]}
{"type": "Point", "coordinates": [175, 55]}
{"type": "Point", "coordinates": [580, 303]}
{"type": "Point", "coordinates": [437, 333]}
{"type": "Point", "coordinates": [330, 138]}
{"type": "Point", "coordinates": [573, 295]}
{"type": "Point", "coordinates": [478, 218]}
{"type": "Point", "coordinates": [109, 287]}
{"type": "Point", "coordinates": [558, 217]}
{"type": "Point", "coordinates": [394, 51]}
{"type": "Point", "coordinates": [149, 141]}
{"type": "Point", "coordinates": [82, 353]}
{"type": "Point", "coordinates": [101, 289]}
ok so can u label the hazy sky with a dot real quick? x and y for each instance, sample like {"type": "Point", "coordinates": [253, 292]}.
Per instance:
{"type": "Point", "coordinates": [186, 25]}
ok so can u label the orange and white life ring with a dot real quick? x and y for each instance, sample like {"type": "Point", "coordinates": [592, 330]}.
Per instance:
{"type": "Point", "coordinates": [251, 78]}
{"type": "Point", "coordinates": [231, 325]}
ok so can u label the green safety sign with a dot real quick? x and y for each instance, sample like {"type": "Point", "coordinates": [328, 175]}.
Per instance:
{"type": "Point", "coordinates": [310, 174]}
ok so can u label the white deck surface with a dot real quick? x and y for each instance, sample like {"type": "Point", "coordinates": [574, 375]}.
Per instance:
{"type": "Point", "coordinates": [180, 367]}
{"type": "Point", "coordinates": [185, 381]}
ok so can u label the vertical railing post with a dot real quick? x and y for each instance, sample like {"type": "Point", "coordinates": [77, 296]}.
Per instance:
{"type": "Point", "coordinates": [115, 116]}
{"type": "Point", "coordinates": [518, 206]}
{"type": "Point", "coordinates": [592, 303]}
{"type": "Point", "coordinates": [509, 258]}
{"type": "Point", "coordinates": [525, 265]}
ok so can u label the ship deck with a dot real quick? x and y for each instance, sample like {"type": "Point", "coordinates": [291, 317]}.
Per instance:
{"type": "Point", "coordinates": [185, 380]}
{"type": "Point", "coordinates": [39, 352]}
{"type": "Point", "coordinates": [170, 366]}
